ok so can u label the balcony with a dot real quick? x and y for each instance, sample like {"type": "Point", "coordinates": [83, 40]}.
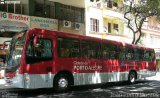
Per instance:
{"type": "Point", "coordinates": [112, 13]}
{"type": "Point", "coordinates": [109, 5]}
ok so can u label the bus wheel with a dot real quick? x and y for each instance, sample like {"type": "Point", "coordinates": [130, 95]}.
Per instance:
{"type": "Point", "coordinates": [132, 77]}
{"type": "Point", "coordinates": [61, 83]}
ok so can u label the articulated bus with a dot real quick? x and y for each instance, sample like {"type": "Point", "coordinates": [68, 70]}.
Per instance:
{"type": "Point", "coordinates": [41, 58]}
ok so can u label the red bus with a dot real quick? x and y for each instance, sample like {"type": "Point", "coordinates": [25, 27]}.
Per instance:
{"type": "Point", "coordinates": [40, 58]}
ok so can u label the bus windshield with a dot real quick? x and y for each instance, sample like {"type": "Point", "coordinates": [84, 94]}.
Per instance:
{"type": "Point", "coordinates": [15, 50]}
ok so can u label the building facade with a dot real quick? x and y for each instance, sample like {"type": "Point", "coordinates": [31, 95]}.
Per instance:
{"type": "Point", "coordinates": [55, 15]}
{"type": "Point", "coordinates": [105, 19]}
{"type": "Point", "coordinates": [96, 18]}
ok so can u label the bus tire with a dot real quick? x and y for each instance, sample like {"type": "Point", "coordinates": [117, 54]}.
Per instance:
{"type": "Point", "coordinates": [61, 83]}
{"type": "Point", "coordinates": [132, 77]}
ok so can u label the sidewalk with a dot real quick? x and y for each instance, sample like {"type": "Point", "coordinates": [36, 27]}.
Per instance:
{"type": "Point", "coordinates": [2, 81]}
{"type": "Point", "coordinates": [156, 77]}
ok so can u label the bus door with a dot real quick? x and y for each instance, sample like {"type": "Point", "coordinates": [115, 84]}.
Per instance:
{"type": "Point", "coordinates": [39, 59]}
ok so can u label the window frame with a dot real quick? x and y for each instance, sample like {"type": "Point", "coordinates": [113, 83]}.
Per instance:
{"type": "Point", "coordinates": [93, 52]}
{"type": "Point", "coordinates": [116, 26]}
{"type": "Point", "coordinates": [35, 59]}
{"type": "Point", "coordinates": [65, 50]}
{"type": "Point", "coordinates": [94, 25]}
{"type": "Point", "coordinates": [112, 48]}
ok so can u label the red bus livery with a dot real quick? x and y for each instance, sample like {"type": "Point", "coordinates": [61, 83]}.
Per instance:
{"type": "Point", "coordinates": [40, 58]}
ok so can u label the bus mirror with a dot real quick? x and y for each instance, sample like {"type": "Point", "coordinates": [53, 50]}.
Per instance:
{"type": "Point", "coordinates": [35, 40]}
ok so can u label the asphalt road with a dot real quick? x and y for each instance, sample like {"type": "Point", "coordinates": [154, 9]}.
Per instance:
{"type": "Point", "coordinates": [142, 89]}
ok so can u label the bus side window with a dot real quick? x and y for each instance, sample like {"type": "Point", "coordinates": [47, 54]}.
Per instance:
{"type": "Point", "coordinates": [129, 53]}
{"type": "Point", "coordinates": [29, 51]}
{"type": "Point", "coordinates": [122, 55]}
{"type": "Point", "coordinates": [38, 49]}
{"type": "Point", "coordinates": [152, 55]}
{"type": "Point", "coordinates": [47, 48]}
{"type": "Point", "coordinates": [141, 54]}
{"type": "Point", "coordinates": [105, 51]}
{"type": "Point", "coordinates": [110, 51]}
{"type": "Point", "coordinates": [75, 48]}
{"type": "Point", "coordinates": [94, 50]}
{"type": "Point", "coordinates": [68, 47]}
{"type": "Point", "coordinates": [147, 55]}
{"type": "Point", "coordinates": [85, 49]}
{"type": "Point", "coordinates": [62, 49]}
{"type": "Point", "coordinates": [91, 49]}
{"type": "Point", "coordinates": [42, 51]}
{"type": "Point", "coordinates": [136, 54]}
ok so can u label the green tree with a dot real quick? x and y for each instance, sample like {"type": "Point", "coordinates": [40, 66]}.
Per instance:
{"type": "Point", "coordinates": [136, 15]}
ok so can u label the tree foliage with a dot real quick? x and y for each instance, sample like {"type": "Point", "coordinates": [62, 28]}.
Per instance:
{"type": "Point", "coordinates": [137, 14]}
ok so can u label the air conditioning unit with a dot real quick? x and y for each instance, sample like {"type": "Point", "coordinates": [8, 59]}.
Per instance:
{"type": "Point", "coordinates": [66, 24]}
{"type": "Point", "coordinates": [77, 26]}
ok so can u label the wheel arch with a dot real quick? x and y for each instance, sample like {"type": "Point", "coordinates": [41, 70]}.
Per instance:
{"type": "Point", "coordinates": [68, 73]}
{"type": "Point", "coordinates": [133, 70]}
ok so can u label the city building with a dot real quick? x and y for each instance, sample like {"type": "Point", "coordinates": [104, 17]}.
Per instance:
{"type": "Point", "coordinates": [105, 19]}
{"type": "Point", "coordinates": [96, 18]}
{"type": "Point", "coordinates": [57, 15]}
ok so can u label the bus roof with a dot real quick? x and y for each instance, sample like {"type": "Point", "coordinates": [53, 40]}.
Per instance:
{"type": "Point", "coordinates": [82, 37]}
